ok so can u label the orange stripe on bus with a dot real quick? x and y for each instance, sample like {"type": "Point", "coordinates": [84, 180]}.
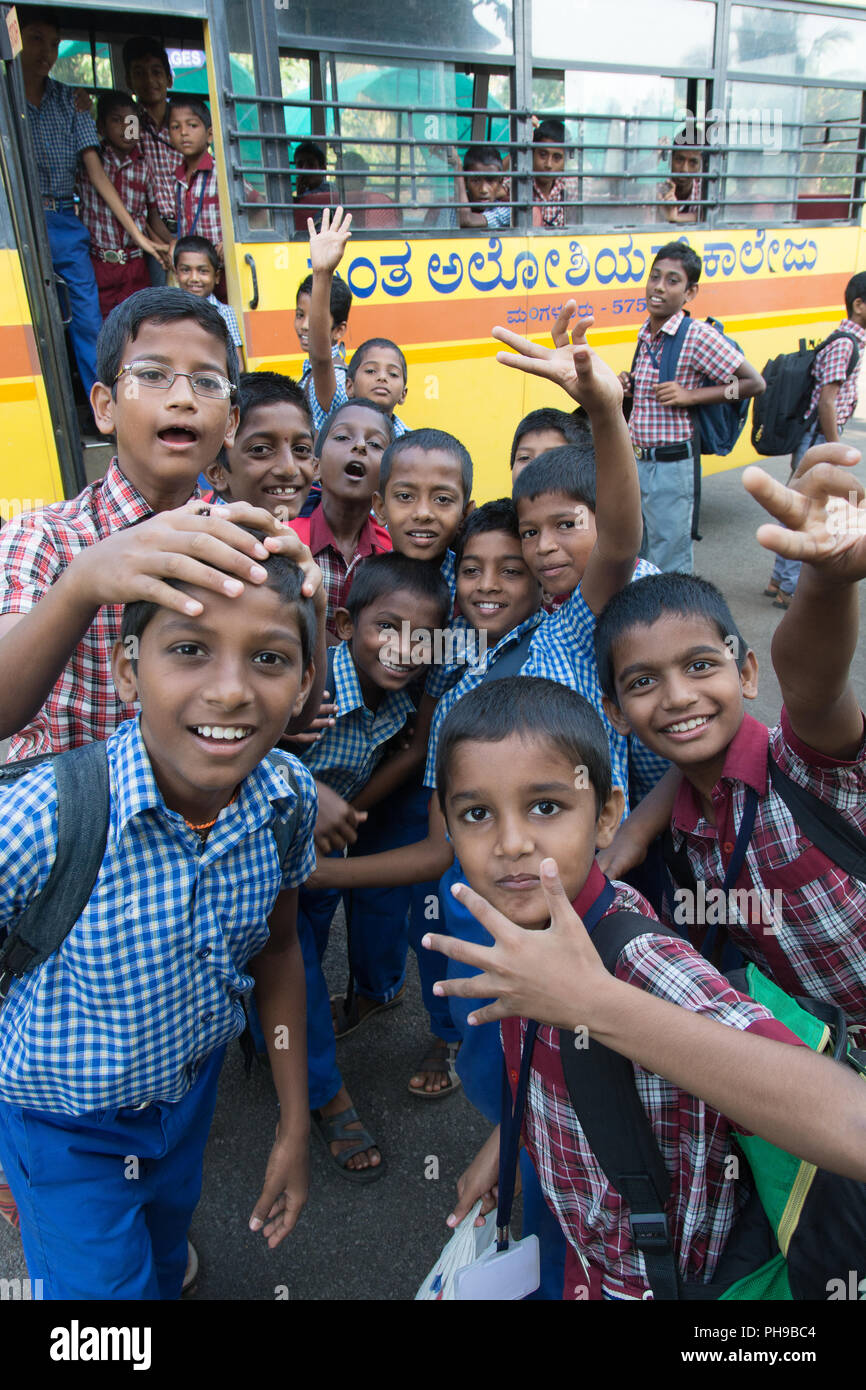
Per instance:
{"type": "Point", "coordinates": [18, 354]}
{"type": "Point", "coordinates": [270, 332]}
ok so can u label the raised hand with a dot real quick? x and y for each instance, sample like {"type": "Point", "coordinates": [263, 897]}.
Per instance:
{"type": "Point", "coordinates": [328, 244]}
{"type": "Point", "coordinates": [576, 368]}
{"type": "Point", "coordinates": [822, 515]}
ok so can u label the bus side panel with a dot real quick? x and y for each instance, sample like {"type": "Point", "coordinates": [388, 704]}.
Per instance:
{"type": "Point", "coordinates": [439, 299]}
{"type": "Point", "coordinates": [29, 471]}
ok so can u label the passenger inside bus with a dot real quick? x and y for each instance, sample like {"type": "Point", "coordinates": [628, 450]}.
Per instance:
{"type": "Point", "coordinates": [148, 77]}
{"type": "Point", "coordinates": [683, 191]}
{"type": "Point", "coordinates": [551, 192]}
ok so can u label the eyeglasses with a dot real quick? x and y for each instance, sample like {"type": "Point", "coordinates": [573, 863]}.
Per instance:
{"type": "Point", "coordinates": [159, 378]}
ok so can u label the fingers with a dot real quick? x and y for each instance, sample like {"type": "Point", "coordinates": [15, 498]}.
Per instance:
{"type": "Point", "coordinates": [561, 911]}
{"type": "Point", "coordinates": [578, 337]}
{"type": "Point", "coordinates": [840, 455]}
{"type": "Point", "coordinates": [560, 328]}
{"type": "Point", "coordinates": [791, 545]}
{"type": "Point", "coordinates": [497, 924]}
{"type": "Point", "coordinates": [789, 507]}
{"type": "Point", "coordinates": [520, 345]}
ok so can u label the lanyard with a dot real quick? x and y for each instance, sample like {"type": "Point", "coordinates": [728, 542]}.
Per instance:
{"type": "Point", "coordinates": [732, 873]}
{"type": "Point", "coordinates": [179, 203]}
{"type": "Point", "coordinates": [512, 1117]}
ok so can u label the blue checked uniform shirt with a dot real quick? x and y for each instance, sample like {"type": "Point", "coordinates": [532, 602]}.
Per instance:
{"type": "Point", "coordinates": [346, 756]}
{"type": "Point", "coordinates": [60, 135]}
{"type": "Point", "coordinates": [149, 981]}
{"type": "Point", "coordinates": [340, 398]}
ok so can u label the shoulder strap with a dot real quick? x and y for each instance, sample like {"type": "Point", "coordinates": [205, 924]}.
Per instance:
{"type": "Point", "coordinates": [511, 663]}
{"type": "Point", "coordinates": [834, 337]}
{"type": "Point", "coordinates": [82, 832]}
{"type": "Point", "coordinates": [603, 1093]}
{"type": "Point", "coordinates": [330, 653]}
{"type": "Point", "coordinates": [822, 824]}
{"type": "Point", "coordinates": [285, 828]}
{"type": "Point", "coordinates": [671, 349]}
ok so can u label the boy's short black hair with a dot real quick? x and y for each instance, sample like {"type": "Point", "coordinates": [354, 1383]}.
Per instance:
{"type": "Point", "coordinates": [643, 602]}
{"type": "Point", "coordinates": [855, 289]}
{"type": "Point", "coordinates": [163, 306]}
{"type": "Point", "coordinates": [194, 104]}
{"type": "Point", "coordinates": [371, 343]}
{"type": "Point", "coordinates": [331, 419]}
{"type": "Point", "coordinates": [535, 708]}
{"type": "Point", "coordinates": [109, 102]}
{"type": "Point", "coordinates": [550, 131]}
{"type": "Point", "coordinates": [428, 440]}
{"type": "Point", "coordinates": [547, 418]}
{"type": "Point", "coordinates": [689, 259]}
{"type": "Point", "coordinates": [308, 149]}
{"type": "Point", "coordinates": [266, 388]}
{"type": "Point", "coordinates": [482, 157]}
{"type": "Point", "coordinates": [37, 14]}
{"type": "Point", "coordinates": [341, 297]}
{"type": "Point", "coordinates": [284, 577]}
{"type": "Point", "coordinates": [380, 575]}
{"type": "Point", "coordinates": [569, 470]}
{"type": "Point", "coordinates": [199, 244]}
{"type": "Point", "coordinates": [500, 515]}
{"type": "Point", "coordinates": [144, 47]}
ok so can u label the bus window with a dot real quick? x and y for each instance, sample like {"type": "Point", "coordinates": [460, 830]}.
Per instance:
{"type": "Point", "coordinates": [668, 34]}
{"type": "Point", "coordinates": [458, 26]}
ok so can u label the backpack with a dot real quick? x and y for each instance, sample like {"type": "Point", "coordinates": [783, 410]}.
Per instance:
{"type": "Point", "coordinates": [779, 416]}
{"type": "Point", "coordinates": [82, 831]}
{"type": "Point", "coordinates": [802, 1224]}
{"type": "Point", "coordinates": [717, 427]}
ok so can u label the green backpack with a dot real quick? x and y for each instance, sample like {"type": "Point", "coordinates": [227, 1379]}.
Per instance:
{"type": "Point", "coordinates": [803, 1227]}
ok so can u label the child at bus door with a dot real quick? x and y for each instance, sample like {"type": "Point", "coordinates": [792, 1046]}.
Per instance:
{"type": "Point", "coordinates": [197, 268]}
{"type": "Point", "coordinates": [148, 77]}
{"type": "Point", "coordinates": [63, 137]}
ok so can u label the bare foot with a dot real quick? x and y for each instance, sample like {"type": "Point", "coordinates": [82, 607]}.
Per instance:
{"type": "Point", "coordinates": [369, 1158]}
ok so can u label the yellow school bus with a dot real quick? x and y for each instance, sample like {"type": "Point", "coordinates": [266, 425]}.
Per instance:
{"type": "Point", "coordinates": [771, 94]}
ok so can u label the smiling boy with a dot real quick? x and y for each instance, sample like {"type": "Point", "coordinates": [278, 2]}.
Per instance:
{"type": "Point", "coordinates": [197, 268]}
{"type": "Point", "coordinates": [270, 463]}
{"type": "Point", "coordinates": [112, 1047]}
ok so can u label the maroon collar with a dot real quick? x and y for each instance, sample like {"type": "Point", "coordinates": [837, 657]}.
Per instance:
{"type": "Point", "coordinates": [205, 165]}
{"type": "Point", "coordinates": [745, 761]}
{"type": "Point", "coordinates": [589, 893]}
{"type": "Point", "coordinates": [322, 536]}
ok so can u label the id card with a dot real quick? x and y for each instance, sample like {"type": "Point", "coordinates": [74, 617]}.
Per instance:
{"type": "Point", "coordinates": [501, 1275]}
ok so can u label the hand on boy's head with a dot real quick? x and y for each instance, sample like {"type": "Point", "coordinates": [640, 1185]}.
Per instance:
{"type": "Point", "coordinates": [328, 244]}
{"type": "Point", "coordinates": [822, 516]}
{"type": "Point", "coordinates": [280, 539]}
{"type": "Point", "coordinates": [576, 368]}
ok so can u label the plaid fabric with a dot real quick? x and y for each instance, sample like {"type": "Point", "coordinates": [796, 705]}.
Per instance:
{"type": "Point", "coordinates": [448, 570]}
{"type": "Point", "coordinates": [337, 576]}
{"type": "Point", "coordinates": [551, 211]}
{"type": "Point", "coordinates": [693, 1138]}
{"type": "Point", "coordinates": [497, 215]}
{"type": "Point", "coordinates": [340, 398]}
{"type": "Point", "coordinates": [692, 203]}
{"type": "Point", "coordinates": [338, 357]}
{"type": "Point", "coordinates": [816, 944]}
{"type": "Point", "coordinates": [473, 675]}
{"type": "Point", "coordinates": [188, 190]}
{"type": "Point", "coordinates": [832, 365]}
{"type": "Point", "coordinates": [230, 317]}
{"type": "Point", "coordinates": [149, 982]}
{"type": "Point", "coordinates": [706, 356]}
{"type": "Point", "coordinates": [161, 156]}
{"type": "Point", "coordinates": [133, 180]}
{"type": "Point", "coordinates": [35, 549]}
{"type": "Point", "coordinates": [60, 134]}
{"type": "Point", "coordinates": [346, 756]}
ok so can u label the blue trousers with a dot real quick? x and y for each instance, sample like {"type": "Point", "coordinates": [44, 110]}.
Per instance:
{"type": "Point", "coordinates": [315, 912]}
{"type": "Point", "coordinates": [69, 240]}
{"type": "Point", "coordinates": [384, 922]}
{"type": "Point", "coordinates": [787, 572]}
{"type": "Point", "coordinates": [106, 1198]}
{"type": "Point", "coordinates": [667, 496]}
{"type": "Point", "coordinates": [479, 1066]}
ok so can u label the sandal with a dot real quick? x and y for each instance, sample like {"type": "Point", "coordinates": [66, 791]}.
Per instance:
{"type": "Point", "coordinates": [347, 1011]}
{"type": "Point", "coordinates": [333, 1130]}
{"type": "Point", "coordinates": [772, 589]}
{"type": "Point", "coordinates": [782, 600]}
{"type": "Point", "coordinates": [440, 1058]}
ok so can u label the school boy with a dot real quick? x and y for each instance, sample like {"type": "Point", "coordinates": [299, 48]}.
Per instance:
{"type": "Point", "coordinates": [833, 402]}
{"type": "Point", "coordinates": [118, 264]}
{"type": "Point", "coordinates": [677, 672]}
{"type": "Point", "coordinates": [539, 431]}
{"type": "Point", "coordinates": [681, 194]}
{"type": "Point", "coordinates": [148, 77]}
{"type": "Point", "coordinates": [270, 462]}
{"type": "Point", "coordinates": [197, 269]}
{"type": "Point", "coordinates": [340, 304]}
{"type": "Point", "coordinates": [341, 532]}
{"type": "Point", "coordinates": [196, 197]}
{"type": "Point", "coordinates": [660, 424]}
{"type": "Point", "coordinates": [113, 1046]}
{"type": "Point", "coordinates": [377, 371]}
{"type": "Point", "coordinates": [62, 138]}
{"type": "Point", "coordinates": [550, 190]}
{"type": "Point", "coordinates": [507, 789]}
{"type": "Point", "coordinates": [376, 659]}
{"type": "Point", "coordinates": [479, 188]}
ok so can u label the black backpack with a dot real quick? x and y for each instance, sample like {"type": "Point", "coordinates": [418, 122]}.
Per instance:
{"type": "Point", "coordinates": [779, 413]}
{"type": "Point", "coordinates": [82, 831]}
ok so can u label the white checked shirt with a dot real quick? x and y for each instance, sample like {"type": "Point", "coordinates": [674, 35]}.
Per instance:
{"type": "Point", "coordinates": [149, 981]}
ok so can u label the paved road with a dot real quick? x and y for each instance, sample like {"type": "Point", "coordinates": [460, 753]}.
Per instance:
{"type": "Point", "coordinates": [379, 1241]}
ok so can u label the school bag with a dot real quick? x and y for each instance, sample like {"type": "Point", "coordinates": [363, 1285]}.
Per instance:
{"type": "Point", "coordinates": [779, 417]}
{"type": "Point", "coordinates": [801, 1226]}
{"type": "Point", "coordinates": [82, 830]}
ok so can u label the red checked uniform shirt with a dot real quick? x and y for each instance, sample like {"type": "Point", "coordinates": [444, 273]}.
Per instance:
{"type": "Point", "coordinates": [196, 201]}
{"type": "Point", "coordinates": [337, 576]}
{"type": "Point", "coordinates": [35, 549]}
{"type": "Point", "coordinates": [693, 1138]}
{"type": "Point", "coordinates": [705, 354]}
{"type": "Point", "coordinates": [133, 180]}
{"type": "Point", "coordinates": [816, 943]}
{"type": "Point", "coordinates": [832, 365]}
{"type": "Point", "coordinates": [161, 157]}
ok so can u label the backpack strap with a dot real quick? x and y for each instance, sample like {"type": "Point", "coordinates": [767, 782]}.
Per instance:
{"type": "Point", "coordinates": [285, 828]}
{"type": "Point", "coordinates": [510, 664]}
{"type": "Point", "coordinates": [82, 832]}
{"type": "Point", "coordinates": [822, 824]}
{"type": "Point", "coordinates": [330, 652]}
{"type": "Point", "coordinates": [602, 1090]}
